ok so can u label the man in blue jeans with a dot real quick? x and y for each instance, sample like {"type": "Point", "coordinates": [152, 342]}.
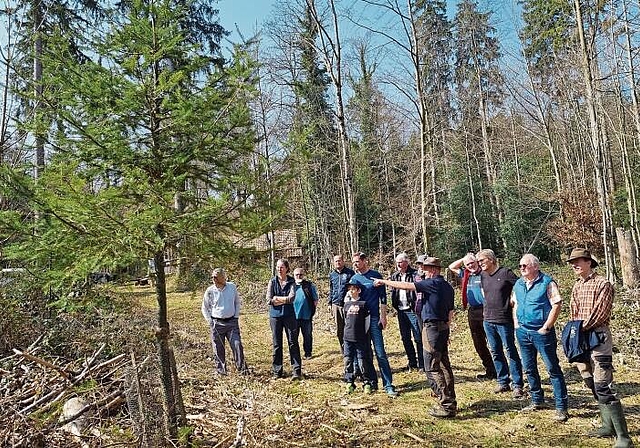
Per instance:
{"type": "Point", "coordinates": [408, 321]}
{"type": "Point", "coordinates": [376, 298]}
{"type": "Point", "coordinates": [536, 307]}
{"type": "Point", "coordinates": [497, 283]}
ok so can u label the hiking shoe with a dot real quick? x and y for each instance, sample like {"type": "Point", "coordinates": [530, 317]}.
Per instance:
{"type": "Point", "coordinates": [296, 377]}
{"type": "Point", "coordinates": [486, 376]}
{"type": "Point", "coordinates": [518, 393]}
{"type": "Point", "coordinates": [561, 416]}
{"type": "Point", "coordinates": [391, 392]}
{"type": "Point", "coordinates": [500, 388]}
{"type": "Point", "coordinates": [351, 388]}
{"type": "Point", "coordinates": [533, 407]}
{"type": "Point", "coordinates": [440, 412]}
{"type": "Point", "coordinates": [367, 389]}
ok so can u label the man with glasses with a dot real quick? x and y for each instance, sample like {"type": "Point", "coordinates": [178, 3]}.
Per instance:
{"type": "Point", "coordinates": [221, 310]}
{"type": "Point", "coordinates": [536, 306]}
{"type": "Point", "coordinates": [497, 284]}
{"type": "Point", "coordinates": [469, 270]}
{"type": "Point", "coordinates": [304, 304]}
{"type": "Point", "coordinates": [376, 299]}
{"type": "Point", "coordinates": [405, 304]}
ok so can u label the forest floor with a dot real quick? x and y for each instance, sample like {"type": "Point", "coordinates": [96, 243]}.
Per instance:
{"type": "Point", "coordinates": [317, 412]}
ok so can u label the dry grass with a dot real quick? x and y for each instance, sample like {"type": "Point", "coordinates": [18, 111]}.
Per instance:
{"type": "Point", "coordinates": [316, 412]}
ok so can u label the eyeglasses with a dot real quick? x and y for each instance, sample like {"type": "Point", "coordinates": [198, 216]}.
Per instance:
{"type": "Point", "coordinates": [523, 266]}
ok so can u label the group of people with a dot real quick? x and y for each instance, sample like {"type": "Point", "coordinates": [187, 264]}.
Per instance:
{"type": "Point", "coordinates": [501, 308]}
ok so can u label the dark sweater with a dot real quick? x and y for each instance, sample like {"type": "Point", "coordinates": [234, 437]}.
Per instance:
{"type": "Point", "coordinates": [497, 295]}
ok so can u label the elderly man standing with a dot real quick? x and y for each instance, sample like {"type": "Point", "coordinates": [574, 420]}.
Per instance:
{"type": "Point", "coordinates": [469, 270]}
{"type": "Point", "coordinates": [338, 280]}
{"type": "Point", "coordinates": [591, 303]}
{"type": "Point", "coordinates": [221, 310]}
{"type": "Point", "coordinates": [304, 304]}
{"type": "Point", "coordinates": [497, 283]}
{"type": "Point", "coordinates": [536, 307]}
{"type": "Point", "coordinates": [405, 303]}
{"type": "Point", "coordinates": [376, 298]}
{"type": "Point", "coordinates": [437, 315]}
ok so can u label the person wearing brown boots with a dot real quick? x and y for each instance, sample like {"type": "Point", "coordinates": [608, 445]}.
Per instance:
{"type": "Point", "coordinates": [591, 303]}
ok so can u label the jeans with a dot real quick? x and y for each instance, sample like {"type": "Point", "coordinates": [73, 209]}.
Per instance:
{"type": "Point", "coordinates": [381, 354]}
{"type": "Point", "coordinates": [290, 327]}
{"type": "Point", "coordinates": [408, 323]}
{"type": "Point", "coordinates": [435, 337]}
{"type": "Point", "coordinates": [531, 343]}
{"type": "Point", "coordinates": [306, 328]}
{"type": "Point", "coordinates": [359, 353]}
{"type": "Point", "coordinates": [337, 312]}
{"type": "Point", "coordinates": [228, 329]}
{"type": "Point", "coordinates": [479, 338]}
{"type": "Point", "coordinates": [501, 337]}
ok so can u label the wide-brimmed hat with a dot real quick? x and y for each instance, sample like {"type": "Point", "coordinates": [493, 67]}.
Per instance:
{"type": "Point", "coordinates": [582, 253]}
{"type": "Point", "coordinates": [432, 261]}
{"type": "Point", "coordinates": [421, 259]}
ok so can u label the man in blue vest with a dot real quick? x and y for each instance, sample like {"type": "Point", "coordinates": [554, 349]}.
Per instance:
{"type": "Point", "coordinates": [536, 306]}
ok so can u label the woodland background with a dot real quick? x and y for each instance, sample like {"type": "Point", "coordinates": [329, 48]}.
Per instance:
{"type": "Point", "coordinates": [134, 142]}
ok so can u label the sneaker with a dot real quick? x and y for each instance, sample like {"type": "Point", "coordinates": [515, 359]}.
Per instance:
{"type": "Point", "coordinates": [500, 388]}
{"type": "Point", "coordinates": [561, 416]}
{"type": "Point", "coordinates": [351, 388]}
{"type": "Point", "coordinates": [518, 393]}
{"type": "Point", "coordinates": [391, 392]}
{"type": "Point", "coordinates": [533, 407]}
{"type": "Point", "coordinates": [367, 389]}
{"type": "Point", "coordinates": [296, 377]}
{"type": "Point", "coordinates": [308, 356]}
{"type": "Point", "coordinates": [276, 375]}
{"type": "Point", "coordinates": [440, 412]}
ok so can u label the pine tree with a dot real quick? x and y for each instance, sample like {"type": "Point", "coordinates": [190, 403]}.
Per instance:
{"type": "Point", "coordinates": [150, 112]}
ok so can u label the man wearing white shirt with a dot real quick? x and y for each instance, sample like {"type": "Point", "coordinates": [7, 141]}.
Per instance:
{"type": "Point", "coordinates": [221, 309]}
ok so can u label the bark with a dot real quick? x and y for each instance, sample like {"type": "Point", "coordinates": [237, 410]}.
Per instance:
{"type": "Point", "coordinates": [628, 259]}
{"type": "Point", "coordinates": [596, 141]}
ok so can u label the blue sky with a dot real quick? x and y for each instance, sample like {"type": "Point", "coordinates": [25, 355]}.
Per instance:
{"type": "Point", "coordinates": [249, 15]}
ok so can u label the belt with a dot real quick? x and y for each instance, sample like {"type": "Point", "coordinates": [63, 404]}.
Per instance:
{"type": "Point", "coordinates": [226, 319]}
{"type": "Point", "coordinates": [433, 321]}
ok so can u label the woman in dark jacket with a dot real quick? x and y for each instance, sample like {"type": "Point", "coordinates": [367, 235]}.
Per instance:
{"type": "Point", "coordinates": [280, 297]}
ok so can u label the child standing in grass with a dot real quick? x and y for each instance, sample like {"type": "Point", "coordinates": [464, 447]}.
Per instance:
{"type": "Point", "coordinates": [356, 339]}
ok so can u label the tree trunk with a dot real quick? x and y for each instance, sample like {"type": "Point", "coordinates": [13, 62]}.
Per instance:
{"type": "Point", "coordinates": [37, 83]}
{"type": "Point", "coordinates": [170, 383]}
{"type": "Point", "coordinates": [628, 259]}
{"type": "Point", "coordinates": [596, 142]}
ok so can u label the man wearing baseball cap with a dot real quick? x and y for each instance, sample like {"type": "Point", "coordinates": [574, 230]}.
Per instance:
{"type": "Point", "coordinates": [591, 303]}
{"type": "Point", "coordinates": [437, 314]}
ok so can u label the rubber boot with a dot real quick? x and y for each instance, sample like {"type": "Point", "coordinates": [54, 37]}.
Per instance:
{"type": "Point", "coordinates": [607, 429]}
{"type": "Point", "coordinates": [591, 385]}
{"type": "Point", "coordinates": [620, 425]}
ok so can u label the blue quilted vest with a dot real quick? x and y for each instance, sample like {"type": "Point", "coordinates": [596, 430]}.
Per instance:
{"type": "Point", "coordinates": [533, 304]}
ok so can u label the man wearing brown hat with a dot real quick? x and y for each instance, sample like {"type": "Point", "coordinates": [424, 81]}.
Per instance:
{"type": "Point", "coordinates": [437, 313]}
{"type": "Point", "coordinates": [591, 303]}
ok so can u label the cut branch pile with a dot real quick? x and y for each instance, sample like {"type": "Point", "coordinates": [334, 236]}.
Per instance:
{"type": "Point", "coordinates": [34, 387]}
